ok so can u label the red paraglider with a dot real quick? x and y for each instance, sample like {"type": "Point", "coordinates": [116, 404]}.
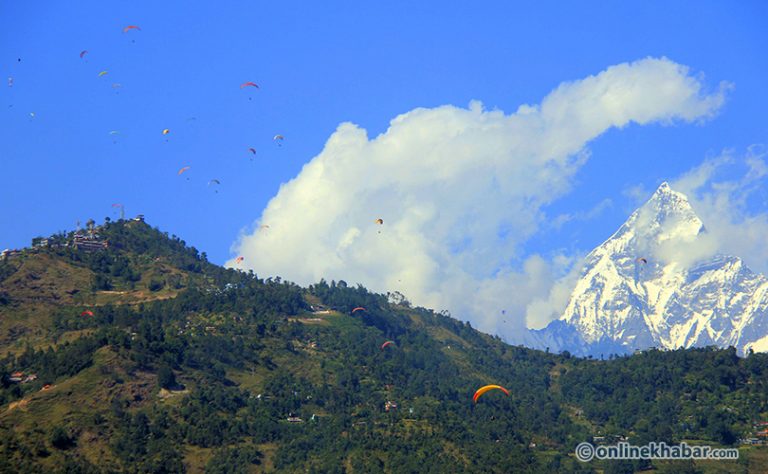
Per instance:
{"type": "Point", "coordinates": [249, 84]}
{"type": "Point", "coordinates": [87, 312]}
{"type": "Point", "coordinates": [359, 308]}
{"type": "Point", "coordinates": [388, 343]}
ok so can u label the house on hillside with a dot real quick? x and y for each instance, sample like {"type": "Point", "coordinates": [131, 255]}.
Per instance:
{"type": "Point", "coordinates": [89, 242]}
{"type": "Point", "coordinates": [7, 254]}
{"type": "Point", "coordinates": [40, 242]}
{"type": "Point", "coordinates": [294, 419]}
{"type": "Point", "coordinates": [139, 218]}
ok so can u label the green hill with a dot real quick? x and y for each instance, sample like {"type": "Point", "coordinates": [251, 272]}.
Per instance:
{"type": "Point", "coordinates": [148, 358]}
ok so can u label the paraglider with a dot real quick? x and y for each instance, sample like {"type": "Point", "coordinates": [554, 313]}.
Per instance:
{"type": "Point", "coordinates": [379, 221]}
{"type": "Point", "coordinates": [114, 132]}
{"type": "Point", "coordinates": [641, 260]}
{"type": "Point", "coordinates": [214, 181]}
{"type": "Point", "coordinates": [182, 170]}
{"type": "Point", "coordinates": [131, 27]}
{"type": "Point", "coordinates": [388, 343]}
{"type": "Point", "coordinates": [87, 313]}
{"type": "Point", "coordinates": [480, 391]}
{"type": "Point", "coordinates": [278, 139]}
{"type": "Point", "coordinates": [83, 53]}
{"type": "Point", "coordinates": [252, 150]}
{"type": "Point", "coordinates": [166, 131]}
{"type": "Point", "coordinates": [359, 308]}
{"type": "Point", "coordinates": [10, 82]}
{"type": "Point", "coordinates": [239, 259]}
{"type": "Point", "coordinates": [249, 84]}
{"type": "Point", "coordinates": [103, 73]}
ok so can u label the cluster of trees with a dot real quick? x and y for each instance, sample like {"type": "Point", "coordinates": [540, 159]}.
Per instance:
{"type": "Point", "coordinates": [708, 393]}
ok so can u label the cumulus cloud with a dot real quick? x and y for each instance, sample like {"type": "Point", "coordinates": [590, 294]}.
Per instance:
{"type": "Point", "coordinates": [459, 190]}
{"type": "Point", "coordinates": [728, 193]}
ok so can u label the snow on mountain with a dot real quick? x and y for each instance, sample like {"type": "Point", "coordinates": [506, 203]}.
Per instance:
{"type": "Point", "coordinates": [657, 282]}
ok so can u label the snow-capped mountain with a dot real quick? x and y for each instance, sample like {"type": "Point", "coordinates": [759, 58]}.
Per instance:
{"type": "Point", "coordinates": [656, 283]}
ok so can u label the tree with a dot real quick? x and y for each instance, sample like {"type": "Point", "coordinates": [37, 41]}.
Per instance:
{"type": "Point", "coordinates": [165, 377]}
{"type": "Point", "coordinates": [60, 439]}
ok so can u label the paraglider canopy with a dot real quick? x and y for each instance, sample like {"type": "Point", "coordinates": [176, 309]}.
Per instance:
{"type": "Point", "coordinates": [641, 260]}
{"type": "Point", "coordinates": [83, 53]}
{"type": "Point", "coordinates": [183, 170]}
{"type": "Point", "coordinates": [252, 150]}
{"type": "Point", "coordinates": [359, 308]}
{"type": "Point", "coordinates": [166, 131]}
{"type": "Point", "coordinates": [388, 343]}
{"type": "Point", "coordinates": [87, 313]}
{"type": "Point", "coordinates": [239, 259]}
{"type": "Point", "coordinates": [214, 181]}
{"type": "Point", "coordinates": [249, 84]}
{"type": "Point", "coordinates": [131, 27]}
{"type": "Point", "coordinates": [480, 391]}
{"type": "Point", "coordinates": [379, 221]}
{"type": "Point", "coordinates": [103, 73]}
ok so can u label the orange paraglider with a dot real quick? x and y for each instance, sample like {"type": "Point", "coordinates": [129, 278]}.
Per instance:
{"type": "Point", "coordinates": [359, 308]}
{"type": "Point", "coordinates": [87, 313]}
{"type": "Point", "coordinates": [480, 391]}
{"type": "Point", "coordinates": [131, 27]}
{"type": "Point", "coordinates": [181, 171]}
{"type": "Point", "coordinates": [388, 343]}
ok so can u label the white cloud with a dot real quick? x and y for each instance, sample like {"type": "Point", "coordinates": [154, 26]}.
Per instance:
{"type": "Point", "coordinates": [459, 191]}
{"type": "Point", "coordinates": [728, 193]}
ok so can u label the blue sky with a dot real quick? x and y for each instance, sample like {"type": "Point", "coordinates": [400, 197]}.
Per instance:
{"type": "Point", "coordinates": [319, 65]}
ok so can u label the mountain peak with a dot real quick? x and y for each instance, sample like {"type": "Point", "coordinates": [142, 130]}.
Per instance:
{"type": "Point", "coordinates": [655, 282]}
{"type": "Point", "coordinates": [665, 209]}
{"type": "Point", "coordinates": [666, 195]}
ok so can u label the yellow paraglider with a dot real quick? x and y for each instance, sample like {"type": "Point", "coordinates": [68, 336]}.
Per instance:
{"type": "Point", "coordinates": [103, 73]}
{"type": "Point", "coordinates": [487, 388]}
{"type": "Point", "coordinates": [166, 131]}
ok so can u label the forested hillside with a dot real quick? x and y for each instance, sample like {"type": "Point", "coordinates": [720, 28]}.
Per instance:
{"type": "Point", "coordinates": [141, 356]}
